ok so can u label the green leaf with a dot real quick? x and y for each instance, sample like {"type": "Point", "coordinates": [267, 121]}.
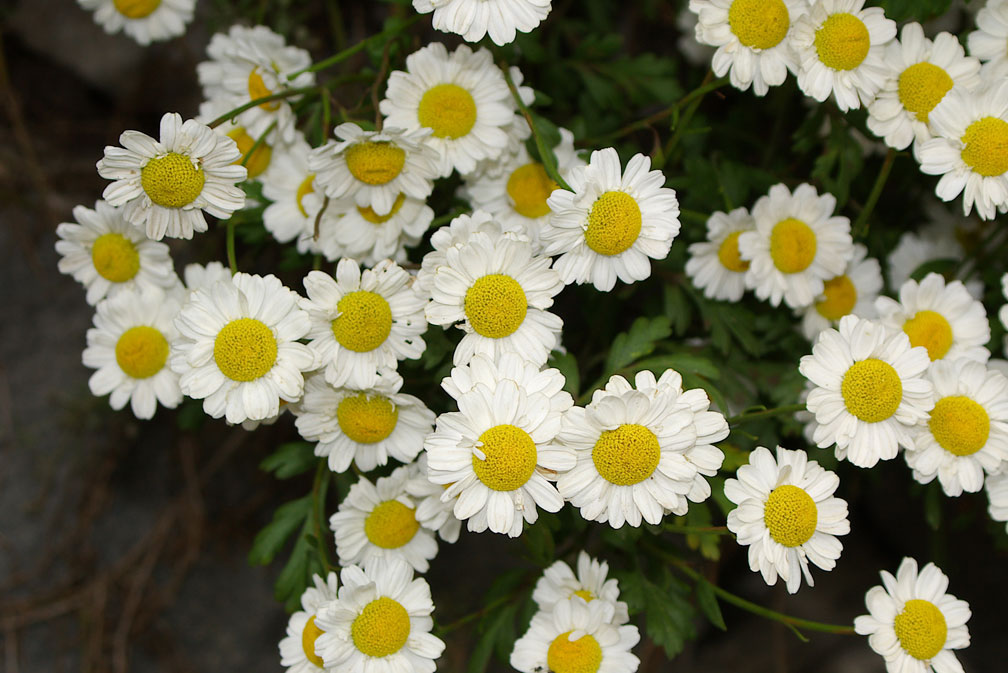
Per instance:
{"type": "Point", "coordinates": [538, 539]}
{"type": "Point", "coordinates": [492, 628]}
{"type": "Point", "coordinates": [296, 574]}
{"type": "Point", "coordinates": [707, 601]}
{"type": "Point", "coordinates": [678, 309]}
{"type": "Point", "coordinates": [567, 364]}
{"type": "Point", "coordinates": [945, 267]}
{"type": "Point", "coordinates": [285, 521]}
{"type": "Point", "coordinates": [290, 459]}
{"type": "Point", "coordinates": [640, 340]}
{"type": "Point", "coordinates": [664, 602]}
{"type": "Point", "coordinates": [915, 10]}
{"type": "Point", "coordinates": [681, 362]}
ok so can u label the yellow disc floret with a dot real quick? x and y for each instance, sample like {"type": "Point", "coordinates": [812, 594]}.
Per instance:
{"type": "Point", "coordinates": [364, 323]}
{"type": "Point", "coordinates": [382, 628]}
{"type": "Point", "coordinates": [759, 24]}
{"type": "Point", "coordinates": [614, 223]}
{"type": "Point", "coordinates": [921, 629]}
{"type": "Point", "coordinates": [136, 9]}
{"type": "Point", "coordinates": [245, 349]}
{"type": "Point", "coordinates": [495, 305]}
{"type": "Point", "coordinates": [840, 297]}
{"type": "Point", "coordinates": [172, 180]}
{"type": "Point", "coordinates": [583, 655]}
{"type": "Point", "coordinates": [259, 158]}
{"type": "Point", "coordinates": [141, 351]}
{"type": "Point", "coordinates": [310, 634]}
{"type": "Point", "coordinates": [921, 87]}
{"type": "Point", "coordinates": [627, 455]}
{"type": "Point", "coordinates": [585, 594]}
{"type": "Point", "coordinates": [792, 245]}
{"type": "Point", "coordinates": [790, 515]}
{"type": "Point", "coordinates": [375, 163]}
{"type": "Point", "coordinates": [985, 146]}
{"type": "Point", "coordinates": [930, 330]}
{"type": "Point", "coordinates": [257, 89]}
{"type": "Point", "coordinates": [306, 187]}
{"type": "Point", "coordinates": [511, 458]}
{"type": "Point", "coordinates": [728, 254]}
{"type": "Point", "coordinates": [390, 525]}
{"type": "Point", "coordinates": [447, 109]}
{"type": "Point", "coordinates": [842, 41]}
{"type": "Point", "coordinates": [871, 390]}
{"type": "Point", "coordinates": [367, 419]}
{"type": "Point", "coordinates": [528, 187]}
{"type": "Point", "coordinates": [115, 257]}
{"type": "Point", "coordinates": [368, 213]}
{"type": "Point", "coordinates": [959, 425]}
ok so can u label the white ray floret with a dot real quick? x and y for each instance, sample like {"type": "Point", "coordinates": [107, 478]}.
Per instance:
{"type": "Point", "coordinates": [297, 650]}
{"type": "Point", "coordinates": [474, 19]}
{"type": "Point", "coordinates": [852, 292]}
{"type": "Point", "coordinates": [715, 265]}
{"type": "Point", "coordinates": [145, 21]}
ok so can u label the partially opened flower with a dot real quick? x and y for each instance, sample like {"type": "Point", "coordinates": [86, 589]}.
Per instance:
{"type": "Point", "coordinates": [591, 583]}
{"type": "Point", "coordinates": [297, 650]}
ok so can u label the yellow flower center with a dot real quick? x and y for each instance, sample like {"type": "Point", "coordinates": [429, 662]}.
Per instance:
{"type": "Point", "coordinates": [842, 42]}
{"type": "Point", "coordinates": [792, 245]}
{"type": "Point", "coordinates": [257, 89]}
{"type": "Point", "coordinates": [310, 634]}
{"type": "Point", "coordinates": [510, 458]}
{"type": "Point", "coordinates": [390, 525]}
{"type": "Point", "coordinates": [728, 254]}
{"type": "Point", "coordinates": [495, 305]}
{"type": "Point", "coordinates": [614, 223]}
{"type": "Point", "coordinates": [245, 349]}
{"type": "Point", "coordinates": [921, 87]}
{"type": "Point", "coordinates": [364, 323]}
{"type": "Point", "coordinates": [115, 258]}
{"type": "Point", "coordinates": [790, 515]}
{"type": "Point", "coordinates": [583, 655]}
{"type": "Point", "coordinates": [871, 390]}
{"type": "Point", "coordinates": [529, 186]}
{"type": "Point", "coordinates": [840, 297]}
{"type": "Point", "coordinates": [930, 330]}
{"type": "Point", "coordinates": [365, 419]}
{"type": "Point", "coordinates": [136, 9]}
{"type": "Point", "coordinates": [627, 455]}
{"type": "Point", "coordinates": [759, 24]}
{"type": "Point", "coordinates": [585, 594]}
{"type": "Point", "coordinates": [921, 629]}
{"type": "Point", "coordinates": [448, 109]}
{"type": "Point", "coordinates": [986, 146]}
{"type": "Point", "coordinates": [260, 157]}
{"type": "Point", "coordinates": [141, 351]}
{"type": "Point", "coordinates": [368, 213]}
{"type": "Point", "coordinates": [375, 163]}
{"type": "Point", "coordinates": [306, 187]}
{"type": "Point", "coordinates": [960, 425]}
{"type": "Point", "coordinates": [381, 629]}
{"type": "Point", "coordinates": [172, 180]}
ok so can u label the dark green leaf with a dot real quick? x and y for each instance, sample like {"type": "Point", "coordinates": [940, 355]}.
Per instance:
{"type": "Point", "coordinates": [290, 459]}
{"type": "Point", "coordinates": [567, 364]}
{"type": "Point", "coordinates": [640, 340]}
{"type": "Point", "coordinates": [707, 601]}
{"type": "Point", "coordinates": [285, 521]}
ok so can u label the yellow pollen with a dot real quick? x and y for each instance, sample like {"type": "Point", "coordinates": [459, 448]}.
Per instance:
{"type": "Point", "coordinates": [390, 525]}
{"type": "Point", "coordinates": [585, 594]}
{"type": "Point", "coordinates": [365, 419]}
{"type": "Point", "coordinates": [368, 213]}
{"type": "Point", "coordinates": [511, 458]}
{"type": "Point", "coordinates": [304, 189]}
{"type": "Point", "coordinates": [115, 258]}
{"type": "Point", "coordinates": [921, 87]}
{"type": "Point", "coordinates": [381, 629]}
{"type": "Point", "coordinates": [364, 323]}
{"type": "Point", "coordinates": [172, 180]}
{"type": "Point", "coordinates": [790, 515]}
{"type": "Point", "coordinates": [842, 42]}
{"type": "Point", "coordinates": [136, 9]}
{"type": "Point", "coordinates": [141, 352]}
{"type": "Point", "coordinates": [448, 109]}
{"type": "Point", "coordinates": [529, 186]}
{"type": "Point", "coordinates": [375, 163]}
{"type": "Point", "coordinates": [614, 223]}
{"type": "Point", "coordinates": [841, 295]}
{"type": "Point", "coordinates": [930, 330]}
{"type": "Point", "coordinates": [986, 146]}
{"type": "Point", "coordinates": [257, 89]}
{"type": "Point", "coordinates": [921, 629]}
{"type": "Point", "coordinates": [258, 160]}
{"type": "Point", "coordinates": [583, 655]}
{"type": "Point", "coordinates": [245, 349]}
{"type": "Point", "coordinates": [627, 455]}
{"type": "Point", "coordinates": [960, 425]}
{"type": "Point", "coordinates": [308, 637]}
{"type": "Point", "coordinates": [495, 305]}
{"type": "Point", "coordinates": [759, 24]}
{"type": "Point", "coordinates": [792, 245]}
{"type": "Point", "coordinates": [728, 254]}
{"type": "Point", "coordinates": [871, 390]}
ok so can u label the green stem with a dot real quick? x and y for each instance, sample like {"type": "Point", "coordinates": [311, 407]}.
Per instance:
{"type": "Point", "coordinates": [684, 120]}
{"type": "Point", "coordinates": [860, 227]}
{"type": "Point", "coordinates": [319, 489]}
{"type": "Point", "coordinates": [766, 413]}
{"type": "Point", "coordinates": [230, 242]}
{"type": "Point", "coordinates": [286, 93]}
{"type": "Point", "coordinates": [258, 142]}
{"type": "Point", "coordinates": [462, 621]}
{"type": "Point", "coordinates": [694, 530]}
{"type": "Point", "coordinates": [545, 153]}
{"type": "Point", "coordinates": [341, 56]}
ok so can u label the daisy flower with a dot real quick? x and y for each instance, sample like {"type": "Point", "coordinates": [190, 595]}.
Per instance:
{"type": "Point", "coordinates": [796, 246]}
{"type": "Point", "coordinates": [363, 322]}
{"type": "Point", "coordinates": [751, 37]}
{"type": "Point", "coordinates": [145, 21]}
{"type": "Point", "coordinates": [199, 276]}
{"type": "Point", "coordinates": [290, 185]}
{"type": "Point", "coordinates": [852, 292]}
{"type": "Point", "coordinates": [840, 47]}
{"type": "Point", "coordinates": [714, 265]}
{"type": "Point", "coordinates": [363, 426]}
{"type": "Point", "coordinates": [641, 453]}
{"type": "Point", "coordinates": [913, 623]}
{"type": "Point", "coordinates": [786, 514]}
{"type": "Point", "coordinates": [870, 391]}
{"type": "Point", "coordinates": [612, 221]}
{"type": "Point", "coordinates": [106, 254]}
{"type": "Point", "coordinates": [460, 99]}
{"type": "Point", "coordinates": [472, 19]}
{"type": "Point", "coordinates": [380, 622]}
{"type": "Point", "coordinates": [966, 434]}
{"type": "Point", "coordinates": [297, 650]}
{"type": "Point", "coordinates": [940, 239]}
{"type": "Point", "coordinates": [942, 317]}
{"type": "Point", "coordinates": [369, 237]}
{"type": "Point", "coordinates": [591, 583]}
{"type": "Point", "coordinates": [989, 42]}
{"type": "Point", "coordinates": [433, 513]}
{"type": "Point", "coordinates": [238, 349]}
{"type": "Point", "coordinates": [530, 377]}
{"type": "Point", "coordinates": [165, 185]}
{"type": "Point", "coordinates": [997, 495]}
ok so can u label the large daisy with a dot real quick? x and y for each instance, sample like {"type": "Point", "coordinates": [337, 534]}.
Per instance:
{"type": "Point", "coordinates": [297, 650]}
{"type": "Point", "coordinates": [473, 19]}
{"type": "Point", "coordinates": [715, 265]}
{"type": "Point", "coordinates": [852, 292]}
{"type": "Point", "coordinates": [145, 21]}
{"type": "Point", "coordinates": [559, 583]}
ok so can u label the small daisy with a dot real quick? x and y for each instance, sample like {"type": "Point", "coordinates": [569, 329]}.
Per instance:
{"type": "Point", "coordinates": [840, 48]}
{"type": "Point", "coordinates": [297, 650]}
{"type": "Point", "coordinates": [106, 254]}
{"type": "Point", "coordinates": [165, 185]}
{"type": "Point", "coordinates": [870, 391]}
{"type": "Point", "coordinates": [940, 239]}
{"type": "Point", "coordinates": [369, 237]}
{"type": "Point", "coordinates": [460, 99]}
{"type": "Point", "coordinates": [433, 513]}
{"type": "Point", "coordinates": [997, 495]}
{"type": "Point", "coordinates": [559, 583]}
{"type": "Point", "coordinates": [145, 21]}
{"type": "Point", "coordinates": [943, 318]}
{"type": "Point", "coordinates": [714, 265]}
{"type": "Point", "coordinates": [612, 221]}
{"type": "Point", "coordinates": [472, 19]}
{"type": "Point", "coordinates": [530, 377]}
{"type": "Point", "coordinates": [238, 349]}
{"type": "Point", "coordinates": [198, 276]}
{"type": "Point", "coordinates": [290, 185]}
{"type": "Point", "coordinates": [796, 246]}
{"type": "Point", "coordinates": [380, 623]}
{"type": "Point", "coordinates": [852, 292]}
{"type": "Point", "coordinates": [989, 42]}
{"type": "Point", "coordinates": [913, 623]}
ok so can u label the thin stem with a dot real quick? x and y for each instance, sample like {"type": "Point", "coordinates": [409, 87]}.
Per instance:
{"type": "Point", "coordinates": [286, 93]}
{"type": "Point", "coordinates": [684, 121]}
{"type": "Point", "coordinates": [230, 242]}
{"type": "Point", "coordinates": [465, 619]}
{"type": "Point", "coordinates": [765, 413]}
{"type": "Point", "coordinates": [319, 489]}
{"type": "Point", "coordinates": [694, 530]}
{"type": "Point", "coordinates": [258, 142]}
{"type": "Point", "coordinates": [341, 56]}
{"type": "Point", "coordinates": [860, 227]}
{"type": "Point", "coordinates": [545, 154]}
